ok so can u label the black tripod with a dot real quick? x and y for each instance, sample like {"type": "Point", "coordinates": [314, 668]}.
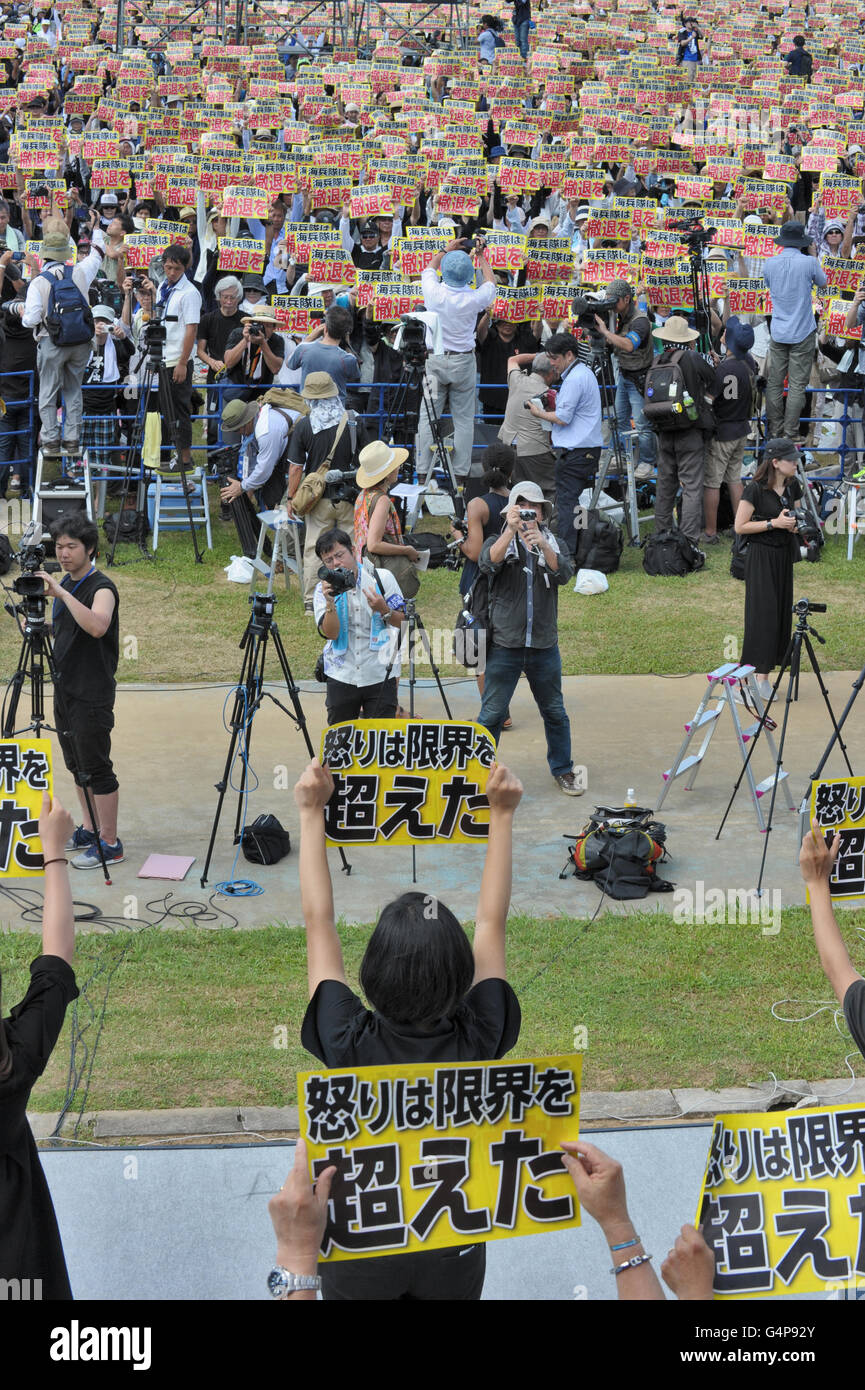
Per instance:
{"type": "Point", "coordinates": [699, 273]}
{"type": "Point", "coordinates": [249, 693]}
{"type": "Point", "coordinates": [155, 375]}
{"type": "Point", "coordinates": [412, 391]}
{"type": "Point", "coordinates": [802, 634]}
{"type": "Point", "coordinates": [601, 364]}
{"type": "Point", "coordinates": [414, 624]}
{"type": "Point", "coordinates": [36, 654]}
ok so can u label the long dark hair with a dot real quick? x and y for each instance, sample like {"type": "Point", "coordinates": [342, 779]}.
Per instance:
{"type": "Point", "coordinates": [418, 965]}
{"type": "Point", "coordinates": [499, 461]}
{"type": "Point", "coordinates": [764, 473]}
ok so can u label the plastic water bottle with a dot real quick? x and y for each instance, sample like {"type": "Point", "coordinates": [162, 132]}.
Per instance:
{"type": "Point", "coordinates": [631, 798]}
{"type": "Point", "coordinates": [690, 407]}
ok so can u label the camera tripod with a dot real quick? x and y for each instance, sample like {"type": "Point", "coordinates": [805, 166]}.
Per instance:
{"type": "Point", "coordinates": [600, 364]}
{"type": "Point", "coordinates": [412, 386]}
{"type": "Point", "coordinates": [249, 693]}
{"type": "Point", "coordinates": [408, 632]}
{"type": "Point", "coordinates": [155, 376]}
{"type": "Point", "coordinates": [37, 654]}
{"type": "Point", "coordinates": [801, 637]}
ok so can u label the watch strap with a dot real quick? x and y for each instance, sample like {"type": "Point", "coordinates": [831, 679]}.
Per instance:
{"type": "Point", "coordinates": [281, 1282]}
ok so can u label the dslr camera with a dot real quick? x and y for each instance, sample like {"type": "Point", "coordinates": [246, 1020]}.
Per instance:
{"type": "Point", "coordinates": [810, 536]}
{"type": "Point", "coordinates": [340, 580]}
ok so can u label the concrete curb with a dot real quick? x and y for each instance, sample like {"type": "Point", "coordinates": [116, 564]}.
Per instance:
{"type": "Point", "coordinates": [600, 1109]}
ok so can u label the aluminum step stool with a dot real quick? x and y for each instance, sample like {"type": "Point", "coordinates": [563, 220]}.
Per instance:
{"type": "Point", "coordinates": [285, 533]}
{"type": "Point", "coordinates": [720, 689]}
{"type": "Point", "coordinates": [630, 442]}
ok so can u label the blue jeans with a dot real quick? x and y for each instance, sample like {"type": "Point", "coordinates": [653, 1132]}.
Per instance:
{"type": "Point", "coordinates": [629, 406]}
{"type": "Point", "coordinates": [543, 668]}
{"type": "Point", "coordinates": [521, 34]}
{"type": "Point", "coordinates": [15, 445]}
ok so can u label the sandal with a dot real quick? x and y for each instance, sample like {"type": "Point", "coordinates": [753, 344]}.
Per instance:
{"type": "Point", "coordinates": [508, 724]}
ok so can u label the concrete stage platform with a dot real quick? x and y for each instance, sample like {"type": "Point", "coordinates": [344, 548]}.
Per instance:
{"type": "Point", "coordinates": [170, 748]}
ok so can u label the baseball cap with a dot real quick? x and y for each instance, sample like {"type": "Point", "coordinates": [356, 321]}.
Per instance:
{"type": "Point", "coordinates": [780, 448]}
{"type": "Point", "coordinates": [104, 312]}
{"type": "Point", "coordinates": [457, 270]}
{"type": "Point", "coordinates": [620, 288]}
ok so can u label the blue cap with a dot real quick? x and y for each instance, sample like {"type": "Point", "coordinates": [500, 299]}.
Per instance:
{"type": "Point", "coordinates": [457, 270]}
{"type": "Point", "coordinates": [739, 337]}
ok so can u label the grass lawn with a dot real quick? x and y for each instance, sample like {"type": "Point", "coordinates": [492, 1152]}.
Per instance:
{"type": "Point", "coordinates": [187, 619]}
{"type": "Point", "coordinates": [192, 1016]}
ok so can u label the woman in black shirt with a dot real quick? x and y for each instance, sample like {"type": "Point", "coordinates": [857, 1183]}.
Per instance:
{"type": "Point", "coordinates": [30, 1246]}
{"type": "Point", "coordinates": [434, 998]}
{"type": "Point", "coordinates": [764, 517]}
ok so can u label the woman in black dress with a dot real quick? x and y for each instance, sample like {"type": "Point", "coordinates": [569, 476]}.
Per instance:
{"type": "Point", "coordinates": [434, 999]}
{"type": "Point", "coordinates": [30, 1246]}
{"type": "Point", "coordinates": [484, 518]}
{"type": "Point", "coordinates": [764, 516]}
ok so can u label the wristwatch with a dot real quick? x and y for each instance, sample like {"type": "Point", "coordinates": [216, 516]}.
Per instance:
{"type": "Point", "coordinates": [769, 525]}
{"type": "Point", "coordinates": [281, 1282]}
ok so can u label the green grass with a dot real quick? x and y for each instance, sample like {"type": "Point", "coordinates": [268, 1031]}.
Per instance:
{"type": "Point", "coordinates": [192, 1016]}
{"type": "Point", "coordinates": [186, 619]}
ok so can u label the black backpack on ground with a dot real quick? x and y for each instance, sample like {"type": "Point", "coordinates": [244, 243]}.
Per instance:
{"type": "Point", "coordinates": [600, 543]}
{"type": "Point", "coordinates": [265, 841]}
{"type": "Point", "coordinates": [429, 540]}
{"type": "Point", "coordinates": [129, 525]}
{"type": "Point", "coordinates": [618, 850]}
{"type": "Point", "coordinates": [671, 553]}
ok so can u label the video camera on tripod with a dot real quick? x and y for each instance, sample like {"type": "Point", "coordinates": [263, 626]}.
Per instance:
{"type": "Point", "coordinates": [584, 308]}
{"type": "Point", "coordinates": [696, 235]}
{"type": "Point", "coordinates": [412, 343]}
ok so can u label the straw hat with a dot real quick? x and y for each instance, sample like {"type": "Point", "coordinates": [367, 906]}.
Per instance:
{"type": "Point", "coordinates": [676, 330]}
{"type": "Point", "coordinates": [377, 461]}
{"type": "Point", "coordinates": [261, 313]}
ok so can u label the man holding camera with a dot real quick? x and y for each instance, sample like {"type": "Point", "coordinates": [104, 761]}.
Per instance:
{"type": "Point", "coordinates": [452, 373]}
{"type": "Point", "coordinates": [85, 626]}
{"type": "Point", "coordinates": [179, 303]}
{"type": "Point", "coordinates": [264, 432]}
{"type": "Point", "coordinates": [324, 436]}
{"type": "Point", "coordinates": [525, 567]}
{"type": "Point", "coordinates": [254, 353]}
{"type": "Point", "coordinates": [631, 343]}
{"type": "Point", "coordinates": [576, 433]}
{"type": "Point", "coordinates": [790, 276]}
{"type": "Point", "coordinates": [356, 609]}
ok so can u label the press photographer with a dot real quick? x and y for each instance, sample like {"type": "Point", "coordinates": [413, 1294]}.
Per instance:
{"type": "Point", "coordinates": [85, 622]}
{"type": "Point", "coordinates": [254, 353]}
{"type": "Point", "coordinates": [180, 305]}
{"type": "Point", "coordinates": [631, 345]}
{"type": "Point", "coordinates": [323, 443]}
{"type": "Point", "coordinates": [263, 432]}
{"type": "Point", "coordinates": [355, 609]}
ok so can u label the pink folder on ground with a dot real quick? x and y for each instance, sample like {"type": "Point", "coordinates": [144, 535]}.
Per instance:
{"type": "Point", "coordinates": [172, 866]}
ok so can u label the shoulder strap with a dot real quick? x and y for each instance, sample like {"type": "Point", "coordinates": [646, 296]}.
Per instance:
{"type": "Point", "coordinates": [340, 431]}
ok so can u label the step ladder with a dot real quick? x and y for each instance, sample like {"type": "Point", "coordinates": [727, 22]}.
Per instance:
{"type": "Point", "coordinates": [285, 539]}
{"type": "Point", "coordinates": [57, 497]}
{"type": "Point", "coordinates": [718, 697]}
{"type": "Point", "coordinates": [630, 442]}
{"type": "Point", "coordinates": [169, 505]}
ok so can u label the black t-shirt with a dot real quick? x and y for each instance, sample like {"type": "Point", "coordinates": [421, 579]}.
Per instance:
{"type": "Point", "coordinates": [18, 356]}
{"type": "Point", "coordinates": [215, 330]}
{"type": "Point", "coordinates": [30, 1246]}
{"type": "Point", "coordinates": [493, 355]}
{"type": "Point", "coordinates": [734, 390]}
{"type": "Point", "coordinates": [255, 369]}
{"type": "Point", "coordinates": [104, 401]}
{"type": "Point", "coordinates": [854, 1012]}
{"type": "Point", "coordinates": [341, 1031]}
{"type": "Point", "coordinates": [85, 664]}
{"type": "Point", "coordinates": [310, 450]}
{"type": "Point", "coordinates": [767, 506]}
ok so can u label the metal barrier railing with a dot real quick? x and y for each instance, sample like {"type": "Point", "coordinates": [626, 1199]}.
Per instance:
{"type": "Point", "coordinates": [842, 429]}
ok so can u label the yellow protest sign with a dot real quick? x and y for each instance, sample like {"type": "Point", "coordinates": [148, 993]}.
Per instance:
{"type": "Point", "coordinates": [241, 253]}
{"type": "Point", "coordinates": [438, 1155]}
{"type": "Point", "coordinates": [838, 805]}
{"type": "Point", "coordinates": [783, 1201]}
{"type": "Point", "coordinates": [401, 783]}
{"type": "Point", "coordinates": [25, 773]}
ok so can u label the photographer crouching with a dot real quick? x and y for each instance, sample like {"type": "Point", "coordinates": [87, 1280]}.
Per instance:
{"type": "Point", "coordinates": [356, 609]}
